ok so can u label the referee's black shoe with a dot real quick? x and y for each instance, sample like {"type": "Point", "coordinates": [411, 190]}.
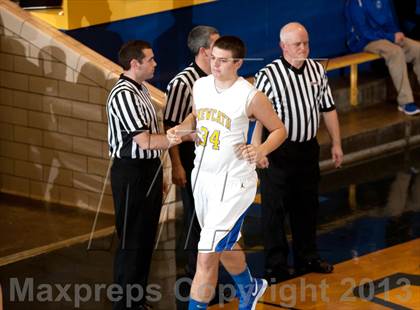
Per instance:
{"type": "Point", "coordinates": [317, 265]}
{"type": "Point", "coordinates": [279, 274]}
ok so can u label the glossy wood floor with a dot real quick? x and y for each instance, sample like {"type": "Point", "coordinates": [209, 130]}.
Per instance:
{"type": "Point", "coordinates": [27, 231]}
{"type": "Point", "coordinates": [386, 279]}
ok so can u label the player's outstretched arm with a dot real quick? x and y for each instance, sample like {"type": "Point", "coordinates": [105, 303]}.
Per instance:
{"type": "Point", "coordinates": [183, 130]}
{"type": "Point", "coordinates": [187, 126]}
{"type": "Point", "coordinates": [148, 141]}
{"type": "Point", "coordinates": [179, 176]}
{"type": "Point", "coordinates": [173, 136]}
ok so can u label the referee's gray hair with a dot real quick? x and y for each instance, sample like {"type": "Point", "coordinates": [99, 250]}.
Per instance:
{"type": "Point", "coordinates": [199, 36]}
{"type": "Point", "coordinates": [286, 29]}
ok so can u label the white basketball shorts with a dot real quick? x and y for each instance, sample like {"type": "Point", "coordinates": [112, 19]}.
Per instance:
{"type": "Point", "coordinates": [221, 202]}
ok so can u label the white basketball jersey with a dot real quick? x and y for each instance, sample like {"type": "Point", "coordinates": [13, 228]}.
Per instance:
{"type": "Point", "coordinates": [222, 124]}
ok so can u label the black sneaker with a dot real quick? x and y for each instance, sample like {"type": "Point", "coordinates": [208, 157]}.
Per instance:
{"type": "Point", "coordinates": [279, 274]}
{"type": "Point", "coordinates": [315, 265]}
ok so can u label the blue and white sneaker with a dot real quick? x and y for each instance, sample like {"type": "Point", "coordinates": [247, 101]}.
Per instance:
{"type": "Point", "coordinates": [409, 108]}
{"type": "Point", "coordinates": [249, 302]}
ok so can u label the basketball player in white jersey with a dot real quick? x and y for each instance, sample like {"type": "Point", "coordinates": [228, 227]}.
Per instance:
{"type": "Point", "coordinates": [224, 178]}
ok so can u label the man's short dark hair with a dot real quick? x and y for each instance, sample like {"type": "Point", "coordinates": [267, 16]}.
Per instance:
{"type": "Point", "coordinates": [132, 50]}
{"type": "Point", "coordinates": [233, 44]}
{"type": "Point", "coordinates": [199, 36]}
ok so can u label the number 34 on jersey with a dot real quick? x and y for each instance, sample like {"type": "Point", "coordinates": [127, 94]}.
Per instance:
{"type": "Point", "coordinates": [213, 138]}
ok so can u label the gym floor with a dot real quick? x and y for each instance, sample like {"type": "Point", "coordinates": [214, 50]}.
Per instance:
{"type": "Point", "coordinates": [369, 227]}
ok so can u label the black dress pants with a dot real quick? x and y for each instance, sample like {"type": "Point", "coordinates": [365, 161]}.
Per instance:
{"type": "Point", "coordinates": [191, 228]}
{"type": "Point", "coordinates": [289, 186]}
{"type": "Point", "coordinates": [137, 201]}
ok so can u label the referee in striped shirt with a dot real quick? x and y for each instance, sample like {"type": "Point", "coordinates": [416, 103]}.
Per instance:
{"type": "Point", "coordinates": [298, 88]}
{"type": "Point", "coordinates": [178, 107]}
{"type": "Point", "coordinates": [136, 178]}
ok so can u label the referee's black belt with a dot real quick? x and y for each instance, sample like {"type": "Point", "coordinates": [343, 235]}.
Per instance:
{"type": "Point", "coordinates": [136, 161]}
{"type": "Point", "coordinates": [307, 142]}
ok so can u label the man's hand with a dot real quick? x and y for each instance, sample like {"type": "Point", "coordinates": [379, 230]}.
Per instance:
{"type": "Point", "coordinates": [192, 137]}
{"type": "Point", "coordinates": [249, 152]}
{"type": "Point", "coordinates": [179, 177]}
{"type": "Point", "coordinates": [263, 163]}
{"type": "Point", "coordinates": [173, 137]}
{"type": "Point", "coordinates": [337, 155]}
{"type": "Point", "coordinates": [399, 38]}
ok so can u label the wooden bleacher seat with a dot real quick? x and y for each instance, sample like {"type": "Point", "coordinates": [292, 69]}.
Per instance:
{"type": "Point", "coordinates": [352, 61]}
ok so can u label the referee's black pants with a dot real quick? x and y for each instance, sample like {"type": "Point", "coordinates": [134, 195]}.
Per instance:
{"type": "Point", "coordinates": [137, 192]}
{"type": "Point", "coordinates": [289, 186]}
{"type": "Point", "coordinates": [191, 227]}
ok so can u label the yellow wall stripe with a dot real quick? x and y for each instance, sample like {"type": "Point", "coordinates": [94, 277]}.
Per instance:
{"type": "Point", "coordinates": [82, 13]}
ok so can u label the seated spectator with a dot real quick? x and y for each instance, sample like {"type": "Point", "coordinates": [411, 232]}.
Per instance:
{"type": "Point", "coordinates": [372, 28]}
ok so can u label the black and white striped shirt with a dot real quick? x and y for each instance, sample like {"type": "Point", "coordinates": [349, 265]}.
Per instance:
{"type": "Point", "coordinates": [130, 111]}
{"type": "Point", "coordinates": [179, 94]}
{"type": "Point", "coordinates": [298, 95]}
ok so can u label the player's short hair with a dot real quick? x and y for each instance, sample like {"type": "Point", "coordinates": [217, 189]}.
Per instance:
{"type": "Point", "coordinates": [199, 36]}
{"type": "Point", "coordinates": [132, 50]}
{"type": "Point", "coordinates": [233, 44]}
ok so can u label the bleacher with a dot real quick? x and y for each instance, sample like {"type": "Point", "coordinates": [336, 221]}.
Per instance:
{"type": "Point", "coordinates": [352, 61]}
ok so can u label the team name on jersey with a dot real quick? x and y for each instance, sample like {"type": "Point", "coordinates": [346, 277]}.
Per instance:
{"type": "Point", "coordinates": [214, 115]}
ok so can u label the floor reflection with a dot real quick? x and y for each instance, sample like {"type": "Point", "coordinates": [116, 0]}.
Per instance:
{"type": "Point", "coordinates": [363, 209]}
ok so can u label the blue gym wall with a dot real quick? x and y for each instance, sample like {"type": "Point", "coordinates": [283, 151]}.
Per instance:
{"type": "Point", "coordinates": [256, 22]}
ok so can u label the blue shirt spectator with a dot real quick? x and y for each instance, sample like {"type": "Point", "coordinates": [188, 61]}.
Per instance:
{"type": "Point", "coordinates": [372, 27]}
{"type": "Point", "coordinates": [369, 21]}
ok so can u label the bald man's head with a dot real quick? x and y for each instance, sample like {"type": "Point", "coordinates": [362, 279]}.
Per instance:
{"type": "Point", "coordinates": [294, 42]}
{"type": "Point", "coordinates": [290, 30]}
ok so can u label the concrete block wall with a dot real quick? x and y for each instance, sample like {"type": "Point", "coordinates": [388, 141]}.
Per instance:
{"type": "Point", "coordinates": [53, 125]}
